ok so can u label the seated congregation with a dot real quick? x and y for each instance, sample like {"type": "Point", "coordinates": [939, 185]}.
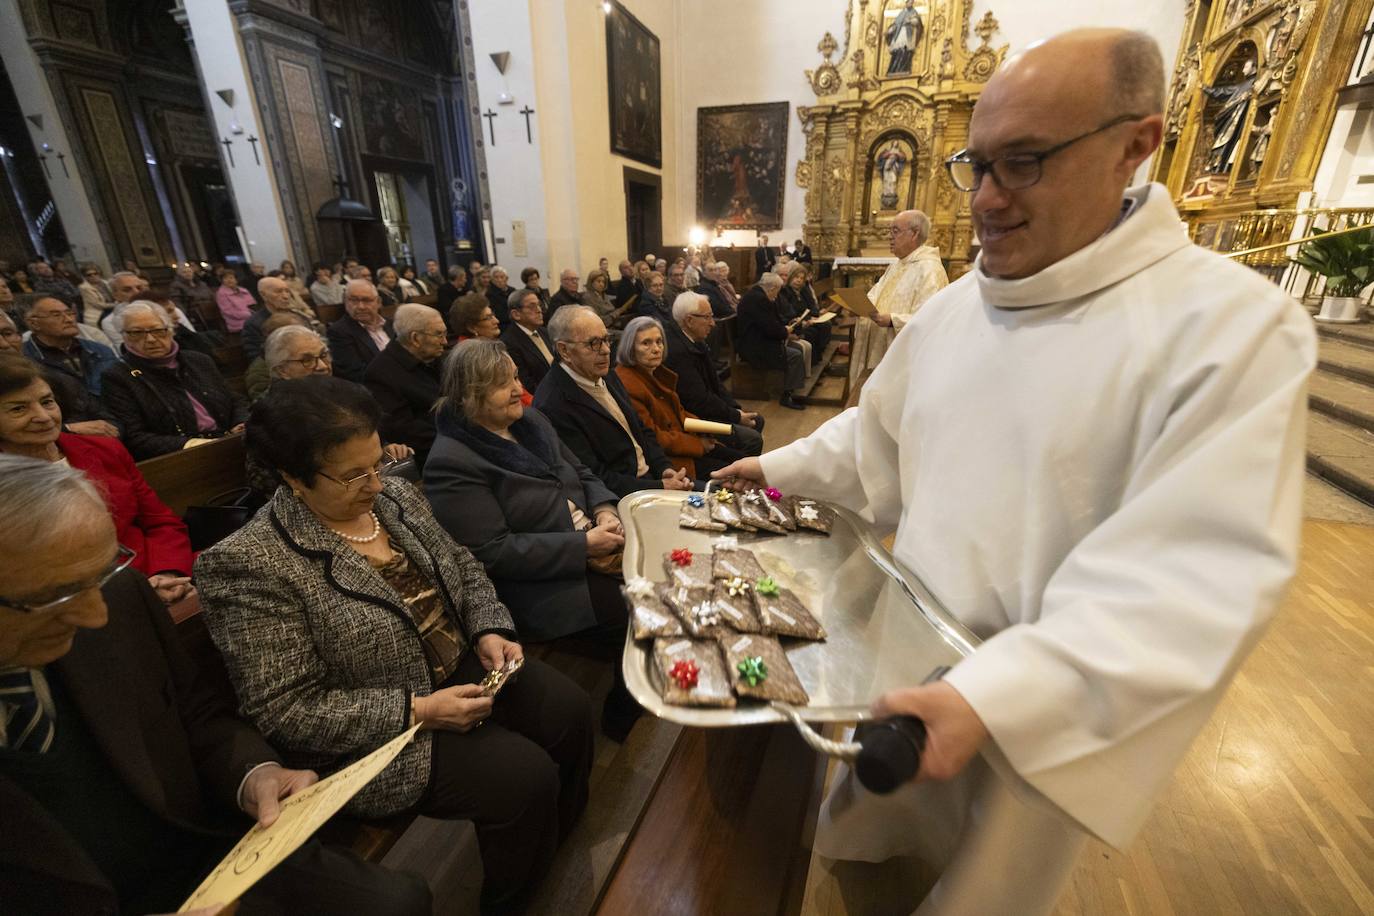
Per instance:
{"type": "Point", "coordinates": [433, 466]}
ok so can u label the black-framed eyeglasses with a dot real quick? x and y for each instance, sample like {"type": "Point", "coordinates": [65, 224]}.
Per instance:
{"type": "Point", "coordinates": [1017, 170]}
{"type": "Point", "coordinates": [707, 316]}
{"type": "Point", "coordinates": [594, 343]}
{"type": "Point", "coordinates": [352, 483]}
{"type": "Point", "coordinates": [311, 360]}
{"type": "Point", "coordinates": [124, 558]}
{"type": "Point", "coordinates": [141, 333]}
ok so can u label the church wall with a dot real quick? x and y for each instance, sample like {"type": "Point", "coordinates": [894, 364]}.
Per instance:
{"type": "Point", "coordinates": [567, 186]}
{"type": "Point", "coordinates": [737, 53]}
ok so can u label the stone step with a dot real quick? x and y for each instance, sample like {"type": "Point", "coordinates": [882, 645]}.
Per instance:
{"type": "Point", "coordinates": [1351, 360]}
{"type": "Point", "coordinates": [1360, 335]}
{"type": "Point", "coordinates": [1342, 454]}
{"type": "Point", "coordinates": [1339, 397]}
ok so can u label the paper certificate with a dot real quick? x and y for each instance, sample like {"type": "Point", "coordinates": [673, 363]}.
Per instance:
{"type": "Point", "coordinates": [707, 427]}
{"type": "Point", "coordinates": [262, 850]}
{"type": "Point", "coordinates": [854, 300]}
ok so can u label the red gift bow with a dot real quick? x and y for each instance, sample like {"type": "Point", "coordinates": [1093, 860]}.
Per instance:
{"type": "Point", "coordinates": [682, 556]}
{"type": "Point", "coordinates": [685, 673]}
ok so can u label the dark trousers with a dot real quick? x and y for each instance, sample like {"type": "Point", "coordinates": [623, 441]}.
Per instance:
{"type": "Point", "coordinates": [520, 777]}
{"type": "Point", "coordinates": [746, 440]}
{"type": "Point", "coordinates": [318, 879]}
{"type": "Point", "coordinates": [795, 374]}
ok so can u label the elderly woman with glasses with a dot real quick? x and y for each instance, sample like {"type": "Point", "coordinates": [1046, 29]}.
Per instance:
{"type": "Point", "coordinates": [652, 388]}
{"type": "Point", "coordinates": [165, 398]}
{"type": "Point", "coordinates": [31, 426]}
{"type": "Point", "coordinates": [346, 614]}
{"type": "Point", "coordinates": [503, 483]}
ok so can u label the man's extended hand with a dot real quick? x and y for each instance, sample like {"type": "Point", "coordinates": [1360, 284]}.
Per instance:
{"type": "Point", "coordinates": [742, 472]}
{"type": "Point", "coordinates": [953, 730]}
{"type": "Point", "coordinates": [267, 786]}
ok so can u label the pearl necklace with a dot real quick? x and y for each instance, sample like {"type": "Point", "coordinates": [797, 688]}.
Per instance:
{"type": "Point", "coordinates": [376, 530]}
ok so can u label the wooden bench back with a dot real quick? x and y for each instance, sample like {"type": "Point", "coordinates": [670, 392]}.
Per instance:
{"type": "Point", "coordinates": [193, 477]}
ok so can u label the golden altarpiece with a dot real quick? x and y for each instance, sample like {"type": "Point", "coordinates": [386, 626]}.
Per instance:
{"type": "Point", "coordinates": [1250, 107]}
{"type": "Point", "coordinates": [889, 111]}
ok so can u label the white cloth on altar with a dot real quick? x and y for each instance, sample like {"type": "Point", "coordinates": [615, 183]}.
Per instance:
{"type": "Point", "coordinates": [900, 291]}
{"type": "Point", "coordinates": [1098, 470]}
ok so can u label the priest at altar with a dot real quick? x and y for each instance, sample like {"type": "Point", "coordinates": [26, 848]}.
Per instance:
{"type": "Point", "coordinates": [1091, 449]}
{"type": "Point", "coordinates": [914, 277]}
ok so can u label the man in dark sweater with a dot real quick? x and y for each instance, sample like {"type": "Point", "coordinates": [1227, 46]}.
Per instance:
{"type": "Point", "coordinates": [698, 384]}
{"type": "Point", "coordinates": [124, 773]}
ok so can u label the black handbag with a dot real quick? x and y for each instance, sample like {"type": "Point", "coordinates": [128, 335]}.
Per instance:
{"type": "Point", "coordinates": [224, 514]}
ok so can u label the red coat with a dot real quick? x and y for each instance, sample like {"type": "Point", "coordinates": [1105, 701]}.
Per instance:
{"type": "Point", "coordinates": [143, 522]}
{"type": "Point", "coordinates": [661, 411]}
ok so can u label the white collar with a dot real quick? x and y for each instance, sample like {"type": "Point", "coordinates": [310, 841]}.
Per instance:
{"type": "Point", "coordinates": [1148, 232]}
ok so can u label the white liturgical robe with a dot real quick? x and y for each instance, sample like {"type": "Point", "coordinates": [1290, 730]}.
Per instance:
{"type": "Point", "coordinates": [1098, 469]}
{"type": "Point", "coordinates": [900, 291]}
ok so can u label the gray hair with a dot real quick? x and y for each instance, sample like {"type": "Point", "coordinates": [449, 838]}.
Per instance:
{"type": "Point", "coordinates": [39, 496]}
{"type": "Point", "coordinates": [412, 317]}
{"type": "Point", "coordinates": [686, 304]}
{"type": "Point", "coordinates": [560, 324]}
{"type": "Point", "coordinates": [770, 280]}
{"type": "Point", "coordinates": [139, 307]}
{"type": "Point", "coordinates": [1137, 75]}
{"type": "Point", "coordinates": [784, 269]}
{"type": "Point", "coordinates": [122, 273]}
{"type": "Point", "coordinates": [360, 283]}
{"type": "Point", "coordinates": [625, 353]}
{"type": "Point", "coordinates": [277, 348]}
{"type": "Point", "coordinates": [454, 272]}
{"type": "Point", "coordinates": [517, 297]}
{"type": "Point", "coordinates": [471, 369]}
{"type": "Point", "coordinates": [497, 269]}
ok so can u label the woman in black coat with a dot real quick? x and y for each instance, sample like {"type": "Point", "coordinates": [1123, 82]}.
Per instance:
{"type": "Point", "coordinates": [505, 487]}
{"type": "Point", "coordinates": [163, 397]}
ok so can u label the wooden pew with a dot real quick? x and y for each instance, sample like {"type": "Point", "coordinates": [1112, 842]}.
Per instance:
{"type": "Point", "coordinates": [195, 476]}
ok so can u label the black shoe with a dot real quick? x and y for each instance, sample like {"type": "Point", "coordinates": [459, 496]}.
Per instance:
{"type": "Point", "coordinates": [791, 402]}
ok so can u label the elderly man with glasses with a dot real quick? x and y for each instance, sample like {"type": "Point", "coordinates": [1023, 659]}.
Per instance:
{"type": "Point", "coordinates": [356, 337]}
{"type": "Point", "coordinates": [1091, 449]}
{"type": "Point", "coordinates": [124, 774]}
{"type": "Point", "coordinates": [592, 412]}
{"type": "Point", "coordinates": [914, 277]}
{"type": "Point", "coordinates": [56, 342]}
{"type": "Point", "coordinates": [404, 378]}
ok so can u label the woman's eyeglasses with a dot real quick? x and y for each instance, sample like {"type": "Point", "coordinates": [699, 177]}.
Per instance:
{"type": "Point", "coordinates": [353, 483]}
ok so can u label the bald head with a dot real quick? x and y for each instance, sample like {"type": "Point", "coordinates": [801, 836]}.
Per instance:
{"type": "Point", "coordinates": [275, 294]}
{"type": "Point", "coordinates": [361, 303]}
{"type": "Point", "coordinates": [1063, 127]}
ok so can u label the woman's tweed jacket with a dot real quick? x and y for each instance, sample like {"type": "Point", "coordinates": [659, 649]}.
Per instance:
{"type": "Point", "coordinates": [323, 654]}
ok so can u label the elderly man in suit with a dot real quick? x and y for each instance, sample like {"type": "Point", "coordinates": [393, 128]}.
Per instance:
{"type": "Point", "coordinates": [276, 298]}
{"type": "Point", "coordinates": [404, 378]}
{"type": "Point", "coordinates": [361, 333]}
{"type": "Point", "coordinates": [124, 799]}
{"type": "Point", "coordinates": [592, 413]}
{"type": "Point", "coordinates": [526, 339]}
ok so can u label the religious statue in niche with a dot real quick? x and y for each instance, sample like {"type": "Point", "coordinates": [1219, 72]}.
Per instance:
{"type": "Point", "coordinates": [889, 164]}
{"type": "Point", "coordinates": [902, 37]}
{"type": "Point", "coordinates": [1229, 119]}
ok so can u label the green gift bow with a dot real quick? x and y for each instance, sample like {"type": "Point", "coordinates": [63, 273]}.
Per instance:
{"type": "Point", "coordinates": [753, 670]}
{"type": "Point", "coordinates": [766, 586]}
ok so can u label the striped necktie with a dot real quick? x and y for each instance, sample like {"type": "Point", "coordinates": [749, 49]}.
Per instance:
{"type": "Point", "coordinates": [27, 727]}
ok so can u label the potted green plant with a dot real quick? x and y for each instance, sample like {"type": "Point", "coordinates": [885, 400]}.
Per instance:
{"type": "Point", "coordinates": [1347, 264]}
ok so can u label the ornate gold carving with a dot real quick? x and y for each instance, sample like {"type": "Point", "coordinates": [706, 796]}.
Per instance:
{"type": "Point", "coordinates": [836, 180]}
{"type": "Point", "coordinates": [871, 33]}
{"type": "Point", "coordinates": [803, 174]}
{"type": "Point", "coordinates": [981, 65]}
{"type": "Point", "coordinates": [1184, 88]}
{"type": "Point", "coordinates": [825, 79]}
{"type": "Point", "coordinates": [986, 27]}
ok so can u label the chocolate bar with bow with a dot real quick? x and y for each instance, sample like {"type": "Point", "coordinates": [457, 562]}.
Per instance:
{"type": "Point", "coordinates": [781, 612]}
{"type": "Point", "coordinates": [649, 611]}
{"type": "Point", "coordinates": [759, 669]}
{"type": "Point", "coordinates": [686, 568]}
{"type": "Point", "coordinates": [811, 515]}
{"type": "Point", "coordinates": [690, 672]}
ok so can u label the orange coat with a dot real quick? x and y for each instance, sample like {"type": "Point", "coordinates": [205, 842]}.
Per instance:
{"type": "Point", "coordinates": [661, 411]}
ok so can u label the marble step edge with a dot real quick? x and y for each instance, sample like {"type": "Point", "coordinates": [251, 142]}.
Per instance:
{"type": "Point", "coordinates": [1339, 411]}
{"type": "Point", "coordinates": [1334, 365]}
{"type": "Point", "coordinates": [1358, 335]}
{"type": "Point", "coordinates": [1342, 478]}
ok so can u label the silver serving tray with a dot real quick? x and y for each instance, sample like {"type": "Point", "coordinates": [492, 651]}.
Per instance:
{"type": "Point", "coordinates": [885, 628]}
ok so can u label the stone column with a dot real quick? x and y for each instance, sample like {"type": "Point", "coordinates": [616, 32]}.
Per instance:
{"type": "Point", "coordinates": [235, 111]}
{"type": "Point", "coordinates": [69, 181]}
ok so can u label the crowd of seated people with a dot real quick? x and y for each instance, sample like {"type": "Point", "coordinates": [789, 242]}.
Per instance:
{"type": "Point", "coordinates": [528, 415]}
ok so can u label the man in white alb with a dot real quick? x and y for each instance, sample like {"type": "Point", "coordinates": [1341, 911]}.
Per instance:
{"type": "Point", "coordinates": [900, 291]}
{"type": "Point", "coordinates": [1091, 449]}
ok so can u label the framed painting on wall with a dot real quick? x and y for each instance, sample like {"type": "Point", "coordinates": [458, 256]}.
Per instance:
{"type": "Point", "coordinates": [633, 72]}
{"type": "Point", "coordinates": [741, 165]}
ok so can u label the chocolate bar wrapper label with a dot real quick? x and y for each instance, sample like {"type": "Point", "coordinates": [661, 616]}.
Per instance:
{"type": "Point", "coordinates": [727, 513]}
{"type": "Point", "coordinates": [698, 518]}
{"type": "Point", "coordinates": [696, 573]}
{"type": "Point", "coordinates": [737, 563]}
{"type": "Point", "coordinates": [811, 515]}
{"type": "Point", "coordinates": [713, 683]}
{"type": "Point", "coordinates": [696, 608]}
{"type": "Point", "coordinates": [783, 614]}
{"type": "Point", "coordinates": [781, 682]}
{"type": "Point", "coordinates": [650, 613]}
{"type": "Point", "coordinates": [737, 610]}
